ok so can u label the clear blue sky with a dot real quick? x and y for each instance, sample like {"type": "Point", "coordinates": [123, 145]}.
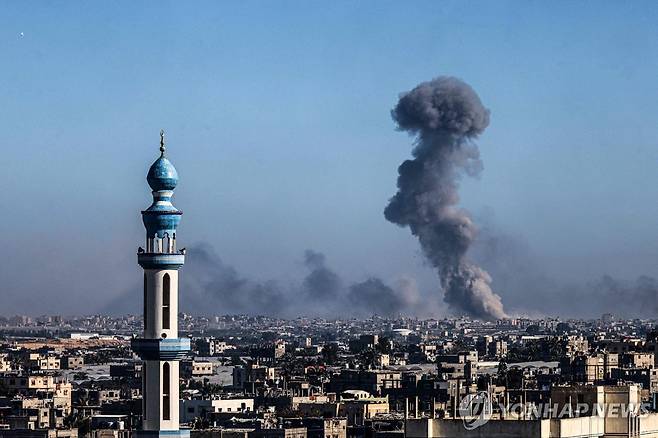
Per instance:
{"type": "Point", "coordinates": [278, 120]}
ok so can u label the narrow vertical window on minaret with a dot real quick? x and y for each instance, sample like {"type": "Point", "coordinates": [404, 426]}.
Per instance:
{"type": "Point", "coordinates": [165, 302]}
{"type": "Point", "coordinates": [144, 388]}
{"type": "Point", "coordinates": [145, 312]}
{"type": "Point", "coordinates": [166, 402]}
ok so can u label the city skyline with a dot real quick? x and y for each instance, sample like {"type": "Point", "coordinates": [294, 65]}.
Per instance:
{"type": "Point", "coordinates": [401, 220]}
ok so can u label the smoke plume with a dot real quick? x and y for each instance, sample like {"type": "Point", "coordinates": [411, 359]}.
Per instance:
{"type": "Point", "coordinates": [321, 283]}
{"type": "Point", "coordinates": [374, 296]}
{"type": "Point", "coordinates": [445, 116]}
{"type": "Point", "coordinates": [209, 286]}
{"type": "Point", "coordinates": [324, 293]}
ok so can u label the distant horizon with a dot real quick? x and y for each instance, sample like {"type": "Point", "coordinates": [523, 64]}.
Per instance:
{"type": "Point", "coordinates": [386, 318]}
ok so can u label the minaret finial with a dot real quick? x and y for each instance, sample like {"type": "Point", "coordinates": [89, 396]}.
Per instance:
{"type": "Point", "coordinates": [162, 146]}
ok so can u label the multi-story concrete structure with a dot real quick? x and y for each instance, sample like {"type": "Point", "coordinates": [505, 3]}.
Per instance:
{"type": "Point", "coordinates": [636, 360]}
{"type": "Point", "coordinates": [43, 362]}
{"type": "Point", "coordinates": [72, 362]}
{"type": "Point", "coordinates": [583, 427]}
{"type": "Point", "coordinates": [193, 368]}
{"type": "Point", "coordinates": [358, 406]}
{"type": "Point", "coordinates": [191, 409]}
{"type": "Point", "coordinates": [490, 347]}
{"type": "Point", "coordinates": [37, 383]}
{"type": "Point", "coordinates": [5, 363]}
{"type": "Point", "coordinates": [462, 366]}
{"type": "Point", "coordinates": [590, 368]}
{"type": "Point", "coordinates": [372, 381]}
{"type": "Point", "coordinates": [598, 419]}
{"type": "Point", "coordinates": [252, 376]}
{"type": "Point", "coordinates": [160, 347]}
{"type": "Point", "coordinates": [213, 347]}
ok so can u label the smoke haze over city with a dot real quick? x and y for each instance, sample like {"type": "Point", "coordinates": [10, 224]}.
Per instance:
{"type": "Point", "coordinates": [541, 177]}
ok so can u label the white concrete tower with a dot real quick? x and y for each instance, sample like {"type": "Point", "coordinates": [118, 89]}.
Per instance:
{"type": "Point", "coordinates": [160, 347]}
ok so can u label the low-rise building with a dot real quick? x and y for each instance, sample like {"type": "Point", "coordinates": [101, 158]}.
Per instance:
{"type": "Point", "coordinates": [72, 362]}
{"type": "Point", "coordinates": [191, 409]}
{"type": "Point", "coordinates": [357, 406]}
{"type": "Point", "coordinates": [193, 368]}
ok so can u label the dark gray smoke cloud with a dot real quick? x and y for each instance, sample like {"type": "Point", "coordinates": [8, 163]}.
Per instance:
{"type": "Point", "coordinates": [324, 292]}
{"type": "Point", "coordinates": [321, 283]}
{"type": "Point", "coordinates": [209, 286]}
{"type": "Point", "coordinates": [374, 296]}
{"type": "Point", "coordinates": [445, 115]}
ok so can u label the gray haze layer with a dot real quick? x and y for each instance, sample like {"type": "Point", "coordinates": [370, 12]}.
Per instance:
{"type": "Point", "coordinates": [530, 291]}
{"type": "Point", "coordinates": [444, 115]}
{"type": "Point", "coordinates": [209, 286]}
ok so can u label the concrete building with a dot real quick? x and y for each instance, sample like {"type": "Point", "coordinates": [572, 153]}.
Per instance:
{"type": "Point", "coordinates": [191, 409]}
{"type": "Point", "coordinates": [490, 347]}
{"type": "Point", "coordinates": [72, 362]}
{"type": "Point", "coordinates": [43, 363]}
{"type": "Point", "coordinates": [292, 432]}
{"type": "Point", "coordinates": [131, 370]}
{"type": "Point", "coordinates": [372, 381]}
{"type": "Point", "coordinates": [583, 427]}
{"type": "Point", "coordinates": [576, 345]}
{"type": "Point", "coordinates": [160, 347]}
{"type": "Point", "coordinates": [193, 368]}
{"type": "Point", "coordinates": [594, 368]}
{"type": "Point", "coordinates": [251, 376]}
{"type": "Point", "coordinates": [213, 347]}
{"type": "Point", "coordinates": [358, 406]}
{"type": "Point", "coordinates": [364, 342]}
{"type": "Point", "coordinates": [645, 426]}
{"type": "Point", "coordinates": [5, 363]}
{"type": "Point", "coordinates": [645, 377]}
{"type": "Point", "coordinates": [109, 426]}
{"type": "Point", "coordinates": [35, 384]}
{"type": "Point", "coordinates": [462, 366]}
{"type": "Point", "coordinates": [319, 427]}
{"type": "Point", "coordinates": [636, 360]}
{"type": "Point", "coordinates": [39, 433]}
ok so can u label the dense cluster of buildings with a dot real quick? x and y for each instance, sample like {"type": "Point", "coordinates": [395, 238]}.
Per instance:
{"type": "Point", "coordinates": [258, 376]}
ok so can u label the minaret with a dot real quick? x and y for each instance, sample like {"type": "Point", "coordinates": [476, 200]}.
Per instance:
{"type": "Point", "coordinates": [160, 347]}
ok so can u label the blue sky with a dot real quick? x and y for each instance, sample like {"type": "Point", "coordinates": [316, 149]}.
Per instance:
{"type": "Point", "coordinates": [278, 120]}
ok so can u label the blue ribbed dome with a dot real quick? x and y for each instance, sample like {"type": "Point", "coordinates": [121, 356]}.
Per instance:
{"type": "Point", "coordinates": [162, 175]}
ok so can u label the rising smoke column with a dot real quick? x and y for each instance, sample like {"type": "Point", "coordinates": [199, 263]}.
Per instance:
{"type": "Point", "coordinates": [445, 115]}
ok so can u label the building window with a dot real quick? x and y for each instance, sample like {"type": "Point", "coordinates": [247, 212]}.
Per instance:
{"type": "Point", "coordinates": [145, 301]}
{"type": "Point", "coordinates": [166, 392]}
{"type": "Point", "coordinates": [166, 297]}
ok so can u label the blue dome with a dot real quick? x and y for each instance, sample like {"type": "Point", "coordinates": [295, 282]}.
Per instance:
{"type": "Point", "coordinates": [162, 175]}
